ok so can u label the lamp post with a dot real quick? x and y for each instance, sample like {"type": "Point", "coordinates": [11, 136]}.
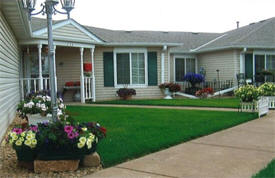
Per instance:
{"type": "Point", "coordinates": [49, 9]}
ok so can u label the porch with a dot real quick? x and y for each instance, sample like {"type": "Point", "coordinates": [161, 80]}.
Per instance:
{"type": "Point", "coordinates": [73, 80]}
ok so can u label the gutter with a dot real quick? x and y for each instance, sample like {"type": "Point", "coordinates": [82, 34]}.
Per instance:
{"type": "Point", "coordinates": [140, 44]}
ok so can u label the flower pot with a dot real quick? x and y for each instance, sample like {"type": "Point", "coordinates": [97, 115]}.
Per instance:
{"type": "Point", "coordinates": [34, 119]}
{"type": "Point", "coordinates": [167, 94]}
{"type": "Point", "coordinates": [26, 154]}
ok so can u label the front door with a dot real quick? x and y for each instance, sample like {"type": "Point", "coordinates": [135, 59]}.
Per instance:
{"type": "Point", "coordinates": [249, 66]}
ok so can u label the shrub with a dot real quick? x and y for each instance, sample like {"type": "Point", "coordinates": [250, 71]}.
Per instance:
{"type": "Point", "coordinates": [193, 78]}
{"type": "Point", "coordinates": [173, 87]}
{"type": "Point", "coordinates": [267, 89]}
{"type": "Point", "coordinates": [125, 93]}
{"type": "Point", "coordinates": [247, 93]}
{"type": "Point", "coordinates": [203, 93]}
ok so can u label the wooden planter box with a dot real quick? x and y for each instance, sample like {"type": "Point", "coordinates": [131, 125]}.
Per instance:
{"type": "Point", "coordinates": [261, 106]}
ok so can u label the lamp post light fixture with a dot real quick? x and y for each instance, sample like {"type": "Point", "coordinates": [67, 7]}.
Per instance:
{"type": "Point", "coordinates": [49, 9]}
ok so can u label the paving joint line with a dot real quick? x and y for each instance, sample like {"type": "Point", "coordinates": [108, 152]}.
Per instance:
{"type": "Point", "coordinates": [234, 147]}
{"type": "Point", "coordinates": [147, 172]}
{"type": "Point", "coordinates": [240, 130]}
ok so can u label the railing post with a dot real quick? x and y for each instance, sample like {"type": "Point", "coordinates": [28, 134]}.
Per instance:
{"type": "Point", "coordinates": [82, 92]}
{"type": "Point", "coordinates": [55, 78]}
{"type": "Point", "coordinates": [40, 67]}
{"type": "Point", "coordinates": [93, 74]}
{"type": "Point", "coordinates": [22, 89]}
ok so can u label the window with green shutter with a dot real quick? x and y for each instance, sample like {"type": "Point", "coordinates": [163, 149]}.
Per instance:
{"type": "Point", "coordinates": [152, 69]}
{"type": "Point", "coordinates": [108, 60]}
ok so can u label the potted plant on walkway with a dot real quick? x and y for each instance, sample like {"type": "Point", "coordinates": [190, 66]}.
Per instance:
{"type": "Point", "coordinates": [194, 79]}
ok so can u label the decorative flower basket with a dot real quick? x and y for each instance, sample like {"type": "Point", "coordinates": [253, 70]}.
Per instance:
{"type": "Point", "coordinates": [260, 106]}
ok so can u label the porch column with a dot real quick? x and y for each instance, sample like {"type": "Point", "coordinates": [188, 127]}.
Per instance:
{"type": "Point", "coordinates": [93, 73]}
{"type": "Point", "coordinates": [40, 67]}
{"type": "Point", "coordinates": [55, 78]}
{"type": "Point", "coordinates": [82, 76]}
{"type": "Point", "coordinates": [162, 63]}
{"type": "Point", "coordinates": [254, 69]}
{"type": "Point", "coordinates": [242, 63]}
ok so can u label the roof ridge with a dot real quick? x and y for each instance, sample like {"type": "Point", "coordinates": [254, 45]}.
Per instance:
{"type": "Point", "coordinates": [252, 31]}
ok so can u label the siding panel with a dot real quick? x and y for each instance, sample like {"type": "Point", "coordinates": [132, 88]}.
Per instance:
{"type": "Point", "coordinates": [9, 75]}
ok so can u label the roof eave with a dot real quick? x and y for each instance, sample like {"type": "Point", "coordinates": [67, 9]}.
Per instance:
{"type": "Point", "coordinates": [140, 44]}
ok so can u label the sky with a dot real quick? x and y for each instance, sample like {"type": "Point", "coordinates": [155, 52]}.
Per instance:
{"type": "Point", "coordinates": [170, 15]}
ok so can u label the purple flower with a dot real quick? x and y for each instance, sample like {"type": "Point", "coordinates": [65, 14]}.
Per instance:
{"type": "Point", "coordinates": [71, 135]}
{"type": "Point", "coordinates": [76, 134]}
{"type": "Point", "coordinates": [34, 128]}
{"type": "Point", "coordinates": [17, 130]}
{"type": "Point", "coordinates": [68, 129]}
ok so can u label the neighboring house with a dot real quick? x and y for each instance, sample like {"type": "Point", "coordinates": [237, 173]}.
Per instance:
{"type": "Point", "coordinates": [136, 59]}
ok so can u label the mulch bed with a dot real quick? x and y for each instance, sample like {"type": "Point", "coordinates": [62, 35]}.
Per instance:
{"type": "Point", "coordinates": [10, 168]}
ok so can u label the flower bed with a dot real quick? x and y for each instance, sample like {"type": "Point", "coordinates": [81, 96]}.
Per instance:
{"type": "Point", "coordinates": [203, 93]}
{"type": "Point", "coordinates": [268, 90]}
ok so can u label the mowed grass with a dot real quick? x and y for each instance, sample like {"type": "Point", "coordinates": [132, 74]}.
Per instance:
{"type": "Point", "coordinates": [212, 102]}
{"type": "Point", "coordinates": [133, 132]}
{"type": "Point", "coordinates": [267, 172]}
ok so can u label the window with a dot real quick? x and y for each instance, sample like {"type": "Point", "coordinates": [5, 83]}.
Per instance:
{"type": "Point", "coordinates": [130, 67]}
{"type": "Point", "coordinates": [184, 66]}
{"type": "Point", "coordinates": [259, 63]}
{"type": "Point", "coordinates": [270, 62]}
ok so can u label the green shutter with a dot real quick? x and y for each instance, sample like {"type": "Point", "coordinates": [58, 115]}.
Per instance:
{"type": "Point", "coordinates": [108, 69]}
{"type": "Point", "coordinates": [152, 69]}
{"type": "Point", "coordinates": [248, 65]}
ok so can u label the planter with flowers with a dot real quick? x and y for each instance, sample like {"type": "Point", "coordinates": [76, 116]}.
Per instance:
{"type": "Point", "coordinates": [205, 92]}
{"type": "Point", "coordinates": [267, 90]}
{"type": "Point", "coordinates": [250, 101]}
{"type": "Point", "coordinates": [24, 142]}
{"type": "Point", "coordinates": [126, 93]}
{"type": "Point", "coordinates": [37, 108]}
{"type": "Point", "coordinates": [194, 80]}
{"type": "Point", "coordinates": [169, 88]}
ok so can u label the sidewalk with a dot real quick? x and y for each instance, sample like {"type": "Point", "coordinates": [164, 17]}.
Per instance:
{"type": "Point", "coordinates": [238, 152]}
{"type": "Point", "coordinates": [158, 107]}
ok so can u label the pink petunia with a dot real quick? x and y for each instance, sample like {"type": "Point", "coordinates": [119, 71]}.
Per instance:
{"type": "Point", "coordinates": [34, 128]}
{"type": "Point", "coordinates": [17, 130]}
{"type": "Point", "coordinates": [68, 129]}
{"type": "Point", "coordinates": [71, 135]}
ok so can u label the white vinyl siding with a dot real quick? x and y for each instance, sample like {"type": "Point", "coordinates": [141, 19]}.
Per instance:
{"type": "Point", "coordinates": [9, 75]}
{"type": "Point", "coordinates": [69, 32]}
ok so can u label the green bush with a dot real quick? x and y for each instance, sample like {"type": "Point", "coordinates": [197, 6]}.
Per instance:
{"type": "Point", "coordinates": [247, 93]}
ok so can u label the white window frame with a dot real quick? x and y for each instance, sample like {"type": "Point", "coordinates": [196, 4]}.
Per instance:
{"type": "Point", "coordinates": [130, 51]}
{"type": "Point", "coordinates": [260, 52]}
{"type": "Point", "coordinates": [184, 57]}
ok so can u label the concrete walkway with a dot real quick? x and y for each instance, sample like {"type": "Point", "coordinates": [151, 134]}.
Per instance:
{"type": "Point", "coordinates": [147, 106]}
{"type": "Point", "coordinates": [238, 152]}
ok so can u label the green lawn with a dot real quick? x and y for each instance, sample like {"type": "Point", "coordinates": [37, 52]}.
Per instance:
{"type": "Point", "coordinates": [133, 132]}
{"type": "Point", "coordinates": [267, 172]}
{"type": "Point", "coordinates": [213, 102]}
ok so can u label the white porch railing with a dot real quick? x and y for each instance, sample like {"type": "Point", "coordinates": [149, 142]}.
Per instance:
{"type": "Point", "coordinates": [33, 85]}
{"type": "Point", "coordinates": [88, 88]}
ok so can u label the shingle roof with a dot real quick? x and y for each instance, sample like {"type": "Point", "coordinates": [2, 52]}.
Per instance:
{"type": "Point", "coordinates": [189, 39]}
{"type": "Point", "coordinates": [255, 35]}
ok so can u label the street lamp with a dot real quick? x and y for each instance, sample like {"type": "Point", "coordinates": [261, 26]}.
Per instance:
{"type": "Point", "coordinates": [49, 9]}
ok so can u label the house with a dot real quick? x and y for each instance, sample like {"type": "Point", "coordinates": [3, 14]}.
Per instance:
{"type": "Point", "coordinates": [136, 59]}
